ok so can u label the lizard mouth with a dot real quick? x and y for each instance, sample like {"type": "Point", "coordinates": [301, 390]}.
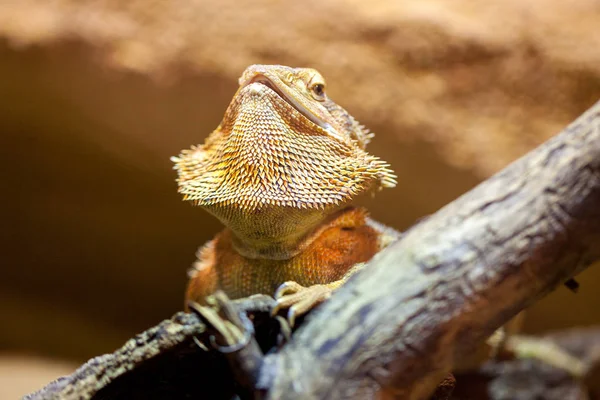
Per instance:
{"type": "Point", "coordinates": [289, 98]}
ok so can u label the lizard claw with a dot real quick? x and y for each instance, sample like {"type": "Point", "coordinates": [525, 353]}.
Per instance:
{"type": "Point", "coordinates": [299, 299]}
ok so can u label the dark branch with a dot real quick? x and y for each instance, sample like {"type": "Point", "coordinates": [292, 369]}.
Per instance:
{"type": "Point", "coordinates": [164, 362]}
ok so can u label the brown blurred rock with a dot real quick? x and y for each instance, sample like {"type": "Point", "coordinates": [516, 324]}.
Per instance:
{"type": "Point", "coordinates": [97, 95]}
{"type": "Point", "coordinates": [486, 81]}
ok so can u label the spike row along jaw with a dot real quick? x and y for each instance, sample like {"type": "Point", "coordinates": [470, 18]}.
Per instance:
{"type": "Point", "coordinates": [281, 160]}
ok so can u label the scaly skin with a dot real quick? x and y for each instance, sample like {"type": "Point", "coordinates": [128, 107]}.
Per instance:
{"type": "Point", "coordinates": [280, 172]}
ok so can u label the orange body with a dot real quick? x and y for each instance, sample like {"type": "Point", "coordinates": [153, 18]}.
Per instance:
{"type": "Point", "coordinates": [343, 242]}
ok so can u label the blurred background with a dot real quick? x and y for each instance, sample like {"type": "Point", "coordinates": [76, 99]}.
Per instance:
{"type": "Point", "coordinates": [96, 96]}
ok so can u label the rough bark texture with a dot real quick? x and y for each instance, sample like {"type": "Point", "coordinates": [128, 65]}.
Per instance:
{"type": "Point", "coordinates": [454, 278]}
{"type": "Point", "coordinates": [163, 362]}
{"type": "Point", "coordinates": [427, 301]}
{"type": "Point", "coordinates": [159, 343]}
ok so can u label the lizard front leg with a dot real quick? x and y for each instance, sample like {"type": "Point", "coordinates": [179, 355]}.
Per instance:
{"type": "Point", "coordinates": [300, 299]}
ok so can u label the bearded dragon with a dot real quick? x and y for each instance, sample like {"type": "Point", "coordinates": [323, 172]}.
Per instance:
{"type": "Point", "coordinates": [280, 172]}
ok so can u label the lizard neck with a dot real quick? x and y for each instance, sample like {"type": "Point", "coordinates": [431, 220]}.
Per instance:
{"type": "Point", "coordinates": [276, 233]}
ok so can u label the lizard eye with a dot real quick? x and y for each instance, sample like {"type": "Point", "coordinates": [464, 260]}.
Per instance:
{"type": "Point", "coordinates": [318, 91]}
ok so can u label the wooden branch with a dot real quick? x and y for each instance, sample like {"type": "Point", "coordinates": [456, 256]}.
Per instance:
{"type": "Point", "coordinates": [163, 362]}
{"type": "Point", "coordinates": [95, 375]}
{"type": "Point", "coordinates": [423, 304]}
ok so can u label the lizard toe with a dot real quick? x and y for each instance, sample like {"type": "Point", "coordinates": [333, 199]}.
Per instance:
{"type": "Point", "coordinates": [287, 288]}
{"type": "Point", "coordinates": [301, 299]}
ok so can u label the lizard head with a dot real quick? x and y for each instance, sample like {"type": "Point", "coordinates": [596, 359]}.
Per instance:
{"type": "Point", "coordinates": [283, 148]}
